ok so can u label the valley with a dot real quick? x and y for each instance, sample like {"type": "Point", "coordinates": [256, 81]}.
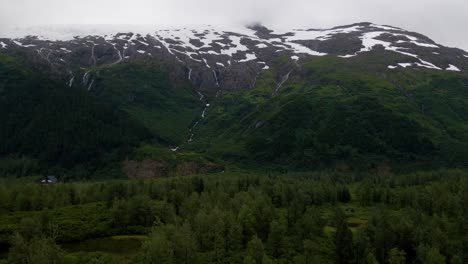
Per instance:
{"type": "Point", "coordinates": [207, 144]}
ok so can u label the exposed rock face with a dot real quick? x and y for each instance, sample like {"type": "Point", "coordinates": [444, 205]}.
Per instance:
{"type": "Point", "coordinates": [147, 169]}
{"type": "Point", "coordinates": [214, 58]}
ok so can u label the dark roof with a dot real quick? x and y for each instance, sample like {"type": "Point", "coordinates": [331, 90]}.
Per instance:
{"type": "Point", "coordinates": [50, 179]}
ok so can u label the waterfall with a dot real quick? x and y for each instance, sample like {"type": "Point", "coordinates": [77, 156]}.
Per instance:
{"type": "Point", "coordinates": [93, 58]}
{"type": "Point", "coordinates": [91, 85]}
{"type": "Point", "coordinates": [201, 95]}
{"type": "Point", "coordinates": [118, 53]}
{"type": "Point", "coordinates": [283, 80]}
{"type": "Point", "coordinates": [86, 78]}
{"type": "Point", "coordinates": [70, 83]}
{"type": "Point", "coordinates": [216, 78]}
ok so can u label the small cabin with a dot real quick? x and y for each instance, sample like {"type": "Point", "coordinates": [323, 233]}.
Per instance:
{"type": "Point", "coordinates": [49, 180]}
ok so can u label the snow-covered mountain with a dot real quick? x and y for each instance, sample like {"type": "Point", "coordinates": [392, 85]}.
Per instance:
{"type": "Point", "coordinates": [216, 58]}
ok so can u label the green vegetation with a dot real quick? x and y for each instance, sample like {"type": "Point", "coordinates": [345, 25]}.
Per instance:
{"type": "Point", "coordinates": [47, 128]}
{"type": "Point", "coordinates": [148, 92]}
{"type": "Point", "coordinates": [354, 115]}
{"type": "Point", "coordinates": [135, 112]}
{"type": "Point", "coordinates": [333, 112]}
{"type": "Point", "coordinates": [321, 217]}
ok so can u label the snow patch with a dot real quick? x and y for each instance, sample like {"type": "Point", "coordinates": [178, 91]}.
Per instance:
{"type": "Point", "coordinates": [249, 57]}
{"type": "Point", "coordinates": [385, 27]}
{"type": "Point", "coordinates": [347, 56]}
{"type": "Point", "coordinates": [369, 41]}
{"type": "Point", "coordinates": [141, 51]}
{"type": "Point", "coordinates": [144, 43]}
{"type": "Point", "coordinates": [22, 45]}
{"type": "Point", "coordinates": [405, 65]}
{"type": "Point", "coordinates": [427, 45]}
{"type": "Point", "coordinates": [452, 68]}
{"type": "Point", "coordinates": [4, 46]}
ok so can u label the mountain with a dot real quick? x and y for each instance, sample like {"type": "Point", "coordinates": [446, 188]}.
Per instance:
{"type": "Point", "coordinates": [354, 96]}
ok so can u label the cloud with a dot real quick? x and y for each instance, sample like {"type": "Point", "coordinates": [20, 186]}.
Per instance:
{"type": "Point", "coordinates": [444, 21]}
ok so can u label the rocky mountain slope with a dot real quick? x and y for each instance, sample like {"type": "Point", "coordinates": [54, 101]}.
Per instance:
{"type": "Point", "coordinates": [305, 97]}
{"type": "Point", "coordinates": [215, 58]}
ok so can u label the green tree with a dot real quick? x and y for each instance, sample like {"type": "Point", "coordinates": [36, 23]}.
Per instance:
{"type": "Point", "coordinates": [183, 243]}
{"type": "Point", "coordinates": [434, 257]}
{"type": "Point", "coordinates": [158, 249]}
{"type": "Point", "coordinates": [255, 249]}
{"type": "Point", "coordinates": [343, 240]}
{"type": "Point", "coordinates": [276, 238]}
{"type": "Point", "coordinates": [119, 213]}
{"type": "Point", "coordinates": [370, 259]}
{"type": "Point", "coordinates": [249, 260]}
{"type": "Point", "coordinates": [234, 235]}
{"type": "Point", "coordinates": [396, 256]}
{"type": "Point", "coordinates": [35, 250]}
{"type": "Point", "coordinates": [308, 250]}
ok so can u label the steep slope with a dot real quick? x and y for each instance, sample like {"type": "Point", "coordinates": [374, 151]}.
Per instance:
{"type": "Point", "coordinates": [358, 95]}
{"type": "Point", "coordinates": [57, 127]}
{"type": "Point", "coordinates": [220, 58]}
{"type": "Point", "coordinates": [146, 90]}
{"type": "Point", "coordinates": [329, 111]}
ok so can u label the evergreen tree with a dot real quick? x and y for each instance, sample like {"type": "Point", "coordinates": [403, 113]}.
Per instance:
{"type": "Point", "coordinates": [255, 249]}
{"type": "Point", "coordinates": [158, 249]}
{"type": "Point", "coordinates": [183, 244]}
{"type": "Point", "coordinates": [434, 257]}
{"type": "Point", "coordinates": [343, 240]}
{"type": "Point", "coordinates": [276, 238]}
{"type": "Point", "coordinates": [396, 256]}
{"type": "Point", "coordinates": [35, 250]}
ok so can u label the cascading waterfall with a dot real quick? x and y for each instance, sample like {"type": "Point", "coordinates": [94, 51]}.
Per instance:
{"type": "Point", "coordinates": [204, 110]}
{"type": "Point", "coordinates": [118, 53]}
{"type": "Point", "coordinates": [201, 95]}
{"type": "Point", "coordinates": [190, 74]}
{"type": "Point", "coordinates": [85, 78]}
{"type": "Point", "coordinates": [91, 85]}
{"type": "Point", "coordinates": [216, 78]}
{"type": "Point", "coordinates": [93, 58]}
{"type": "Point", "coordinates": [70, 83]}
{"type": "Point", "coordinates": [255, 80]}
{"type": "Point", "coordinates": [283, 80]}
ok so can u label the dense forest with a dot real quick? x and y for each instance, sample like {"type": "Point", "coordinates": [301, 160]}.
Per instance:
{"type": "Point", "coordinates": [321, 217]}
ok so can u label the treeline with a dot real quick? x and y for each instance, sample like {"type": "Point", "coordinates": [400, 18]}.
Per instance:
{"type": "Point", "coordinates": [235, 218]}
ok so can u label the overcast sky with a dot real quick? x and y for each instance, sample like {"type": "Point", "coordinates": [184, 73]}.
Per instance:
{"type": "Point", "coordinates": [445, 21]}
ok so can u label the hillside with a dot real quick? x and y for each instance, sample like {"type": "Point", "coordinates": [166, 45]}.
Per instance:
{"type": "Point", "coordinates": [352, 97]}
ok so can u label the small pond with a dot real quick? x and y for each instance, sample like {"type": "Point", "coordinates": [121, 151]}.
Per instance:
{"type": "Point", "coordinates": [118, 245]}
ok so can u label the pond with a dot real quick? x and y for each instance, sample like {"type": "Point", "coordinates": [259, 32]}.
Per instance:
{"type": "Point", "coordinates": [118, 245]}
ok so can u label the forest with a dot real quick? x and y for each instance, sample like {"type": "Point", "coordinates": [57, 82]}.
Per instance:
{"type": "Point", "coordinates": [239, 217]}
